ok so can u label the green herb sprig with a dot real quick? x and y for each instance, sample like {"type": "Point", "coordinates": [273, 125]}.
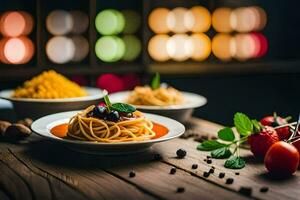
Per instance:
{"type": "Point", "coordinates": [227, 145]}
{"type": "Point", "coordinates": [120, 107]}
{"type": "Point", "coordinates": [155, 83]}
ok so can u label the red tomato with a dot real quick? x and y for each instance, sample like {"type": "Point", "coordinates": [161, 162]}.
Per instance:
{"type": "Point", "coordinates": [284, 133]}
{"type": "Point", "coordinates": [282, 159]}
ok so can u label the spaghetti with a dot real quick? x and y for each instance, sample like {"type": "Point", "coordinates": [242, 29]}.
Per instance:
{"type": "Point", "coordinates": [135, 128]}
{"type": "Point", "coordinates": [163, 96]}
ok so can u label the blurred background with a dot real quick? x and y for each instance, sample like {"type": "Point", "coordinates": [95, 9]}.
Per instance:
{"type": "Point", "coordinates": [242, 55]}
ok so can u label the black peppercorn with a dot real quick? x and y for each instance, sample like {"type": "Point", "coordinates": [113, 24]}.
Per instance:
{"type": "Point", "coordinates": [264, 189]}
{"type": "Point", "coordinates": [221, 175]}
{"type": "Point", "coordinates": [206, 174]}
{"type": "Point", "coordinates": [180, 189]}
{"type": "Point", "coordinates": [173, 170]}
{"type": "Point", "coordinates": [209, 161]}
{"type": "Point", "coordinates": [181, 153]}
{"type": "Point", "coordinates": [237, 173]}
{"type": "Point", "coordinates": [131, 174]}
{"type": "Point", "coordinates": [194, 166]}
{"type": "Point", "coordinates": [229, 181]}
{"type": "Point", "coordinates": [211, 171]}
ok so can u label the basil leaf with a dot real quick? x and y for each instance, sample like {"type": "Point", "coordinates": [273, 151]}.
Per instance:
{"type": "Point", "coordinates": [226, 134]}
{"type": "Point", "coordinates": [223, 152]}
{"type": "Point", "coordinates": [235, 162]}
{"type": "Point", "coordinates": [155, 83]}
{"type": "Point", "coordinates": [243, 124]}
{"type": "Point", "coordinates": [123, 107]}
{"type": "Point", "coordinates": [210, 145]}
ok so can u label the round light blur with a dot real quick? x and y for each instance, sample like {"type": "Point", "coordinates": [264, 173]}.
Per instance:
{"type": "Point", "coordinates": [17, 50]}
{"type": "Point", "coordinates": [243, 19]}
{"type": "Point", "coordinates": [261, 16]}
{"type": "Point", "coordinates": [60, 49]}
{"type": "Point", "coordinates": [180, 47]}
{"type": "Point", "coordinates": [223, 46]}
{"type": "Point", "coordinates": [202, 46]}
{"type": "Point", "coordinates": [245, 46]}
{"type": "Point", "coordinates": [13, 24]}
{"type": "Point", "coordinates": [179, 19]}
{"type": "Point", "coordinates": [59, 22]}
{"type": "Point", "coordinates": [221, 20]}
{"type": "Point", "coordinates": [201, 21]}
{"type": "Point", "coordinates": [157, 48]}
{"type": "Point", "coordinates": [157, 20]}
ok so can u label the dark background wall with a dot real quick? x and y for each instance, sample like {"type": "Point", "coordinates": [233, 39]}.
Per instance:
{"type": "Point", "coordinates": [256, 95]}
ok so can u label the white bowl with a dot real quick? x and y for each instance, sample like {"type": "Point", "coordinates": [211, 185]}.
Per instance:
{"type": "Point", "coordinates": [34, 108]}
{"type": "Point", "coordinates": [43, 126]}
{"type": "Point", "coordinates": [180, 113]}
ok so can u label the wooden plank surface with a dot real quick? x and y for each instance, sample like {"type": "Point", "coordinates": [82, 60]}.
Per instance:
{"type": "Point", "coordinates": [40, 169]}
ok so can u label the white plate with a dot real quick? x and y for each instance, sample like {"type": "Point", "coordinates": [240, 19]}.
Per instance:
{"type": "Point", "coordinates": [93, 93]}
{"type": "Point", "coordinates": [43, 126]}
{"type": "Point", "coordinates": [191, 101]}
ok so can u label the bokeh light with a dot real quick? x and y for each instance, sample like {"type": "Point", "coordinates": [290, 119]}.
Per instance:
{"type": "Point", "coordinates": [60, 49]}
{"type": "Point", "coordinates": [17, 50]}
{"type": "Point", "coordinates": [81, 48]}
{"type": "Point", "coordinates": [180, 47]}
{"type": "Point", "coordinates": [221, 20]}
{"type": "Point", "coordinates": [16, 23]}
{"type": "Point", "coordinates": [59, 22]}
{"type": "Point", "coordinates": [202, 19]}
{"type": "Point", "coordinates": [81, 21]}
{"type": "Point", "coordinates": [179, 19]}
{"type": "Point", "coordinates": [261, 44]}
{"type": "Point", "coordinates": [202, 46]}
{"type": "Point", "coordinates": [157, 20]}
{"type": "Point", "coordinates": [157, 47]}
{"type": "Point", "coordinates": [110, 22]}
{"type": "Point", "coordinates": [244, 19]}
{"type": "Point", "coordinates": [133, 21]}
{"type": "Point", "coordinates": [261, 16]}
{"type": "Point", "coordinates": [223, 46]}
{"type": "Point", "coordinates": [245, 46]}
{"type": "Point", "coordinates": [110, 48]}
{"type": "Point", "coordinates": [133, 47]}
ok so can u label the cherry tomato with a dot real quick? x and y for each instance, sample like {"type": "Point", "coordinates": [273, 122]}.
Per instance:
{"type": "Point", "coordinates": [282, 159]}
{"type": "Point", "coordinates": [284, 133]}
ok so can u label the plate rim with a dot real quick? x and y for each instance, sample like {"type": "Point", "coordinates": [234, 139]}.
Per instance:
{"type": "Point", "coordinates": [201, 102]}
{"type": "Point", "coordinates": [99, 144]}
{"type": "Point", "coordinates": [92, 96]}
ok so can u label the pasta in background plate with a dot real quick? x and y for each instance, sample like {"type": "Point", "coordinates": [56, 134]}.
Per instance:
{"type": "Point", "coordinates": [162, 96]}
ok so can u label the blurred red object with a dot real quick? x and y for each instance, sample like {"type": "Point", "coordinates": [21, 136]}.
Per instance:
{"type": "Point", "coordinates": [110, 82]}
{"type": "Point", "coordinates": [80, 80]}
{"type": "Point", "coordinates": [130, 81]}
{"type": "Point", "coordinates": [263, 44]}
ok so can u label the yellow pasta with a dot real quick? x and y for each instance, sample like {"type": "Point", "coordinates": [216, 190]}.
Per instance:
{"type": "Point", "coordinates": [49, 85]}
{"type": "Point", "coordinates": [163, 96]}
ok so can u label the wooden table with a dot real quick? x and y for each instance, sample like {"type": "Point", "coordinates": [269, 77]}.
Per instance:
{"type": "Point", "coordinates": [40, 169]}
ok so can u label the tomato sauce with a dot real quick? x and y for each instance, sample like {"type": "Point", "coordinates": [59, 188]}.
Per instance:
{"type": "Point", "coordinates": [62, 129]}
{"type": "Point", "coordinates": [160, 130]}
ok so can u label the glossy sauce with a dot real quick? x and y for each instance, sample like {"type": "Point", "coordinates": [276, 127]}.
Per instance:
{"type": "Point", "coordinates": [160, 130]}
{"type": "Point", "coordinates": [62, 129]}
